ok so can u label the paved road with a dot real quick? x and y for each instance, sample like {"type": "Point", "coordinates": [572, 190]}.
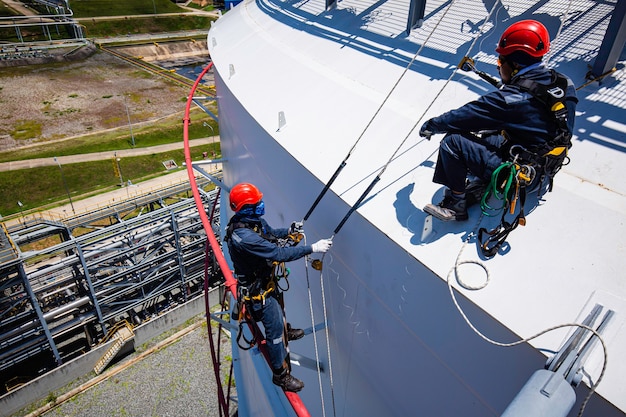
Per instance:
{"type": "Point", "coordinates": [99, 156]}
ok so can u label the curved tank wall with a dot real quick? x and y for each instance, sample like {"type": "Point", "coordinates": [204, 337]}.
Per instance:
{"type": "Point", "coordinates": [397, 343]}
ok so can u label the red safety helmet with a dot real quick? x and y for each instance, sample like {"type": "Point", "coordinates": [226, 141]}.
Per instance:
{"type": "Point", "coordinates": [528, 36]}
{"type": "Point", "coordinates": [243, 194]}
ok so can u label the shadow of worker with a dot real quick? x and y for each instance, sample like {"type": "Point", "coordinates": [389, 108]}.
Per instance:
{"type": "Point", "coordinates": [425, 229]}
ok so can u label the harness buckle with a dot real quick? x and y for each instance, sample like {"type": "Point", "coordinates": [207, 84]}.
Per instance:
{"type": "Point", "coordinates": [525, 175]}
{"type": "Point", "coordinates": [246, 295]}
{"type": "Point", "coordinates": [243, 292]}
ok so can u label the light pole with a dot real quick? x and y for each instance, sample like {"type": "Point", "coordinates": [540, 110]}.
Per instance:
{"type": "Point", "coordinates": [210, 127]}
{"type": "Point", "coordinates": [65, 184]}
{"type": "Point", "coordinates": [119, 169]}
{"type": "Point", "coordinates": [130, 126]}
{"type": "Point", "coordinates": [19, 203]}
{"type": "Point", "coordinates": [212, 140]}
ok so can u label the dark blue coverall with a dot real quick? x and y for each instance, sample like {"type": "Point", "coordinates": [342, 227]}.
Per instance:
{"type": "Point", "coordinates": [252, 254]}
{"type": "Point", "coordinates": [526, 120]}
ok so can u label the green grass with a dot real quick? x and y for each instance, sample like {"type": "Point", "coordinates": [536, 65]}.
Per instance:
{"type": "Point", "coordinates": [122, 27]}
{"type": "Point", "coordinates": [169, 131]}
{"type": "Point", "coordinates": [94, 8]}
{"type": "Point", "coordinates": [36, 187]}
{"type": "Point", "coordinates": [26, 129]}
{"type": "Point", "coordinates": [208, 8]}
{"type": "Point", "coordinates": [5, 11]}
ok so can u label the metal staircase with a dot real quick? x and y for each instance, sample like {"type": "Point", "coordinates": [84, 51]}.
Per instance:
{"type": "Point", "coordinates": [121, 334]}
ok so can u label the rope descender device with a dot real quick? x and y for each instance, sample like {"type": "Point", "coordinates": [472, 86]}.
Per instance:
{"type": "Point", "coordinates": [467, 65]}
{"type": "Point", "coordinates": [317, 264]}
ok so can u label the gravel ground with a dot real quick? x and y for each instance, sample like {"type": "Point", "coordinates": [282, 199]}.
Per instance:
{"type": "Point", "coordinates": [175, 381]}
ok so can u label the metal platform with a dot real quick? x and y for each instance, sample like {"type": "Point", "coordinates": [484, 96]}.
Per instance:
{"type": "Point", "coordinates": [59, 301]}
{"type": "Point", "coordinates": [44, 21]}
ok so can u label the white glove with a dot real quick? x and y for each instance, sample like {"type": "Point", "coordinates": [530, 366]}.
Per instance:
{"type": "Point", "coordinates": [322, 246]}
{"type": "Point", "coordinates": [296, 227]}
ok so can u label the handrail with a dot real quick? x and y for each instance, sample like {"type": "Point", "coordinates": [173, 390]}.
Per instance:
{"type": "Point", "coordinates": [111, 332]}
{"type": "Point", "coordinates": [8, 235]}
{"type": "Point", "coordinates": [231, 282]}
{"type": "Point", "coordinates": [32, 216]}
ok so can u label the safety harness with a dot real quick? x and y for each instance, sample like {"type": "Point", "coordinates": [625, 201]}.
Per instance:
{"type": "Point", "coordinates": [525, 168]}
{"type": "Point", "coordinates": [548, 159]}
{"type": "Point", "coordinates": [263, 283]}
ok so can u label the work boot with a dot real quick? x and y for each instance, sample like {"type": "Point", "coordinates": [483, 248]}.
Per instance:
{"type": "Point", "coordinates": [286, 381]}
{"type": "Point", "coordinates": [294, 334]}
{"type": "Point", "coordinates": [450, 208]}
{"type": "Point", "coordinates": [474, 191]}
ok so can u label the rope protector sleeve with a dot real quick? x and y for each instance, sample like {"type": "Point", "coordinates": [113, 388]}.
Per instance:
{"type": "Point", "coordinates": [356, 205]}
{"type": "Point", "coordinates": [323, 192]}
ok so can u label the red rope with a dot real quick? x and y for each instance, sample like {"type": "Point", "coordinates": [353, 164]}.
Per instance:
{"type": "Point", "coordinates": [230, 281]}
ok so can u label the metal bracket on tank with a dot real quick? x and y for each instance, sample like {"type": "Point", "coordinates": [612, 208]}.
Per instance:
{"type": "Point", "coordinates": [282, 121]}
{"type": "Point", "coordinates": [548, 392]}
{"type": "Point", "coordinates": [306, 362]}
{"type": "Point", "coordinates": [569, 361]}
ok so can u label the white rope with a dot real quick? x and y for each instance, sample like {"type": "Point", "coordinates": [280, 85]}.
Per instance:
{"type": "Point", "coordinates": [455, 269]}
{"type": "Point", "coordinates": [459, 262]}
{"type": "Point", "coordinates": [441, 89]}
{"type": "Point", "coordinates": [325, 312]}
{"type": "Point", "coordinates": [406, 69]}
{"type": "Point", "coordinates": [330, 362]}
{"type": "Point", "coordinates": [317, 356]}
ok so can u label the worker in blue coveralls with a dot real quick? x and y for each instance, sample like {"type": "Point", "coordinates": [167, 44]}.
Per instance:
{"type": "Point", "coordinates": [254, 246]}
{"type": "Point", "coordinates": [480, 134]}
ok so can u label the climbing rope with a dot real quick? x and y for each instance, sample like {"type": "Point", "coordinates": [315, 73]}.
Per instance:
{"type": "Point", "coordinates": [315, 345]}
{"type": "Point", "coordinates": [371, 120]}
{"type": "Point", "coordinates": [499, 187]}
{"type": "Point", "coordinates": [354, 207]}
{"type": "Point", "coordinates": [504, 194]}
{"type": "Point", "coordinates": [327, 332]}
{"type": "Point", "coordinates": [371, 186]}
{"type": "Point", "coordinates": [455, 270]}
{"type": "Point", "coordinates": [397, 150]}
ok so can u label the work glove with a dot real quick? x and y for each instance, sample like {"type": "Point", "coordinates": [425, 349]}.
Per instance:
{"type": "Point", "coordinates": [322, 246]}
{"type": "Point", "coordinates": [296, 227]}
{"type": "Point", "coordinates": [426, 131]}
